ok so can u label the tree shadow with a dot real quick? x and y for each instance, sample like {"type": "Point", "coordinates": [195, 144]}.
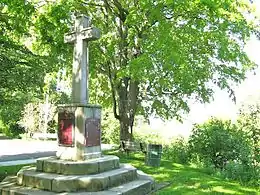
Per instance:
{"type": "Point", "coordinates": [185, 179]}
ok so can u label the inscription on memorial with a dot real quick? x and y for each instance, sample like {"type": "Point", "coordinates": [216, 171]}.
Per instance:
{"type": "Point", "coordinates": [92, 132]}
{"type": "Point", "coordinates": [66, 127]}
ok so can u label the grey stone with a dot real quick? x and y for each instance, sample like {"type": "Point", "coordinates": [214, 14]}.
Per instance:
{"type": "Point", "coordinates": [65, 184]}
{"type": "Point", "coordinates": [20, 174]}
{"type": "Point", "coordinates": [86, 167]}
{"type": "Point", "coordinates": [52, 166]}
{"type": "Point", "coordinates": [108, 163]}
{"type": "Point", "coordinates": [143, 176]}
{"type": "Point", "coordinates": [137, 187]}
{"type": "Point", "coordinates": [40, 162]}
{"type": "Point", "coordinates": [79, 168]}
{"type": "Point", "coordinates": [39, 180]}
{"type": "Point", "coordinates": [94, 183]}
{"type": "Point", "coordinates": [120, 176]}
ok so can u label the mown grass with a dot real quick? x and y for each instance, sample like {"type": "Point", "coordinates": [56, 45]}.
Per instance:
{"type": "Point", "coordinates": [183, 179]}
{"type": "Point", "coordinates": [186, 180]}
{"type": "Point", "coordinates": [10, 170]}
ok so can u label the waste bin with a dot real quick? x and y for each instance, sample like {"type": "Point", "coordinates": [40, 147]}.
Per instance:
{"type": "Point", "coordinates": [153, 155]}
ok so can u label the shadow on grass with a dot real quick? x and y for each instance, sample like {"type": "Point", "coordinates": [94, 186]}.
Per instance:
{"type": "Point", "coordinates": [10, 170]}
{"type": "Point", "coordinates": [185, 179]}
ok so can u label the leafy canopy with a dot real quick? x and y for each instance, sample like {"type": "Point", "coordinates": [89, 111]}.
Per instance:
{"type": "Point", "coordinates": [174, 50]}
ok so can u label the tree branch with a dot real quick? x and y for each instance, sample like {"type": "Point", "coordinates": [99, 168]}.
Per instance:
{"type": "Point", "coordinates": [113, 93]}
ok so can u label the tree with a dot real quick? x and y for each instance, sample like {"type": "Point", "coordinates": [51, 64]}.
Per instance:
{"type": "Point", "coordinates": [248, 121]}
{"type": "Point", "coordinates": [155, 55]}
{"type": "Point", "coordinates": [22, 71]}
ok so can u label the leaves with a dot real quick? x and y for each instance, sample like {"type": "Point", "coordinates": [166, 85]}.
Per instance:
{"type": "Point", "coordinates": [175, 50]}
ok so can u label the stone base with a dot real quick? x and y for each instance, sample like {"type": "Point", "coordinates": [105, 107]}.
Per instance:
{"type": "Point", "coordinates": [137, 187]}
{"type": "Point", "coordinates": [96, 176]}
{"type": "Point", "coordinates": [70, 153]}
{"type": "Point", "coordinates": [79, 131]}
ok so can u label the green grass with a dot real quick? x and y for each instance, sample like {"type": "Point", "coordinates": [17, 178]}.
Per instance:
{"type": "Point", "coordinates": [186, 180]}
{"type": "Point", "coordinates": [10, 170]}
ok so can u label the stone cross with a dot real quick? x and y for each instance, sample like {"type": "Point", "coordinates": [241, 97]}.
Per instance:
{"type": "Point", "coordinates": [82, 34]}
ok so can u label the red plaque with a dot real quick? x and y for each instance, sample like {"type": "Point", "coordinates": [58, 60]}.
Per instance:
{"type": "Point", "coordinates": [65, 131]}
{"type": "Point", "coordinates": [92, 132]}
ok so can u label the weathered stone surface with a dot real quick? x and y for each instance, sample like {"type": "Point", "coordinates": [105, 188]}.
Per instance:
{"type": "Point", "coordinates": [52, 166]}
{"type": "Point", "coordinates": [79, 168]}
{"type": "Point", "coordinates": [86, 167]}
{"type": "Point", "coordinates": [65, 184]}
{"type": "Point", "coordinates": [40, 161]}
{"type": "Point", "coordinates": [92, 183]}
{"type": "Point", "coordinates": [39, 180]}
{"type": "Point", "coordinates": [20, 174]}
{"type": "Point", "coordinates": [137, 187]}
{"type": "Point", "coordinates": [143, 176]}
{"type": "Point", "coordinates": [72, 183]}
{"type": "Point", "coordinates": [95, 183]}
{"type": "Point", "coordinates": [120, 176]}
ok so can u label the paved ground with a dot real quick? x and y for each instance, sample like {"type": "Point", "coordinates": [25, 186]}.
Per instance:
{"type": "Point", "coordinates": [12, 150]}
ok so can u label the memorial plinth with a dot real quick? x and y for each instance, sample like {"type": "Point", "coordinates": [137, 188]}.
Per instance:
{"type": "Point", "coordinates": [79, 132]}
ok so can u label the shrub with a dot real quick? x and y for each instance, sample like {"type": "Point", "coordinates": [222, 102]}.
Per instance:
{"type": "Point", "coordinates": [13, 130]}
{"type": "Point", "coordinates": [110, 128]}
{"type": "Point", "coordinates": [218, 142]}
{"type": "Point", "coordinates": [245, 173]}
{"type": "Point", "coordinates": [177, 151]}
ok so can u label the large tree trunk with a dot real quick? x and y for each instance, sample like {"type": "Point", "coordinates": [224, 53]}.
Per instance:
{"type": "Point", "coordinates": [127, 101]}
{"type": "Point", "coordinates": [123, 108]}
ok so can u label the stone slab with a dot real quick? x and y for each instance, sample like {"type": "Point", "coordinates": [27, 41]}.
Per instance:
{"type": "Point", "coordinates": [137, 187]}
{"type": "Point", "coordinates": [86, 167]}
{"type": "Point", "coordinates": [71, 183]}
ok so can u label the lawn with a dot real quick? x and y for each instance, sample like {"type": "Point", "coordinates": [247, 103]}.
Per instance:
{"type": "Point", "coordinates": [186, 180]}
{"type": "Point", "coordinates": [10, 170]}
{"type": "Point", "coordinates": [183, 179]}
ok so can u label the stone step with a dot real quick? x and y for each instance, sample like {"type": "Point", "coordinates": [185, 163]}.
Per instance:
{"type": "Point", "coordinates": [136, 187]}
{"type": "Point", "coordinates": [64, 167]}
{"type": "Point", "coordinates": [70, 183]}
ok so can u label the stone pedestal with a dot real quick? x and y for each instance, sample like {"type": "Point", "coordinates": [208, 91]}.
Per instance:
{"type": "Point", "coordinates": [79, 132]}
{"type": "Point", "coordinates": [104, 175]}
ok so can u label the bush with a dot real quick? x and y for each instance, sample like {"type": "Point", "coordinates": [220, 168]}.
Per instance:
{"type": "Point", "coordinates": [177, 151]}
{"type": "Point", "coordinates": [218, 142]}
{"type": "Point", "coordinates": [13, 130]}
{"type": "Point", "coordinates": [110, 128]}
{"type": "Point", "coordinates": [246, 174]}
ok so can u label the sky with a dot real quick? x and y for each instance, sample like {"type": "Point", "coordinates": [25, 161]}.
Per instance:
{"type": "Point", "coordinates": [222, 106]}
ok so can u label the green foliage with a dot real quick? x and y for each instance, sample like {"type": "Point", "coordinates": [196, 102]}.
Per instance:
{"type": "Point", "coordinates": [246, 174]}
{"type": "Point", "coordinates": [249, 122]}
{"type": "Point", "coordinates": [148, 136]}
{"type": "Point", "coordinates": [227, 147]}
{"type": "Point", "coordinates": [174, 149]}
{"type": "Point", "coordinates": [152, 56]}
{"type": "Point", "coordinates": [109, 127]}
{"type": "Point", "coordinates": [185, 179]}
{"type": "Point", "coordinates": [177, 151]}
{"type": "Point", "coordinates": [217, 142]}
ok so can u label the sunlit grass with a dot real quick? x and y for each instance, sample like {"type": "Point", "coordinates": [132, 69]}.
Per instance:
{"type": "Point", "coordinates": [10, 170]}
{"type": "Point", "coordinates": [186, 180]}
{"type": "Point", "coordinates": [183, 179]}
